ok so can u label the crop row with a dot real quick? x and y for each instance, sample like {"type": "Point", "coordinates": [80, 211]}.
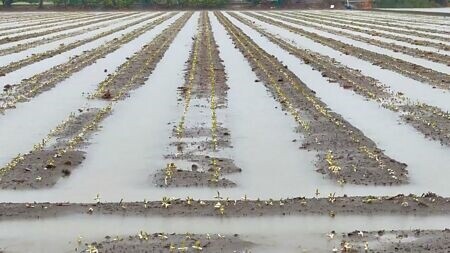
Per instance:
{"type": "Point", "coordinates": [344, 152]}
{"type": "Point", "coordinates": [60, 152]}
{"type": "Point", "coordinates": [31, 87]}
{"type": "Point", "coordinates": [409, 69]}
{"type": "Point", "coordinates": [431, 121]}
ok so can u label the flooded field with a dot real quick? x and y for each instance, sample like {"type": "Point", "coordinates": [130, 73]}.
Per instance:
{"type": "Point", "coordinates": [224, 131]}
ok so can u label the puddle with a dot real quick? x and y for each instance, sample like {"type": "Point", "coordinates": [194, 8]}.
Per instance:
{"type": "Point", "coordinates": [419, 61]}
{"type": "Point", "coordinates": [399, 141]}
{"type": "Point", "coordinates": [129, 149]}
{"type": "Point", "coordinates": [415, 90]}
{"type": "Point", "coordinates": [262, 146]}
{"type": "Point", "coordinates": [377, 38]}
{"type": "Point", "coordinates": [378, 27]}
{"type": "Point", "coordinates": [24, 126]}
{"type": "Point", "coordinates": [397, 19]}
{"type": "Point", "coordinates": [272, 234]}
{"type": "Point", "coordinates": [112, 24]}
{"type": "Point", "coordinates": [91, 18]}
{"type": "Point", "coordinates": [38, 67]}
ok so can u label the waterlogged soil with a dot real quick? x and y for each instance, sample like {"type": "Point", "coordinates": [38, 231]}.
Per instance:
{"type": "Point", "coordinates": [396, 241]}
{"type": "Point", "coordinates": [344, 153]}
{"type": "Point", "coordinates": [356, 27]}
{"type": "Point", "coordinates": [427, 204]}
{"type": "Point", "coordinates": [34, 172]}
{"type": "Point", "coordinates": [194, 145]}
{"type": "Point", "coordinates": [45, 32]}
{"type": "Point", "coordinates": [430, 121]}
{"type": "Point", "coordinates": [63, 48]}
{"type": "Point", "coordinates": [415, 52]}
{"type": "Point", "coordinates": [158, 242]}
{"type": "Point", "coordinates": [39, 83]}
{"type": "Point", "coordinates": [48, 39]}
{"type": "Point", "coordinates": [138, 68]}
{"type": "Point", "coordinates": [43, 167]}
{"type": "Point", "coordinates": [414, 71]}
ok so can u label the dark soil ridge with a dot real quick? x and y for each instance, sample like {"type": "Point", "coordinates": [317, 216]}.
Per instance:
{"type": "Point", "coordinates": [429, 120]}
{"type": "Point", "coordinates": [418, 20]}
{"type": "Point", "coordinates": [415, 52]}
{"type": "Point", "coordinates": [44, 23]}
{"type": "Point", "coordinates": [37, 84]}
{"type": "Point", "coordinates": [59, 29]}
{"type": "Point", "coordinates": [345, 154]}
{"type": "Point", "coordinates": [51, 23]}
{"type": "Point", "coordinates": [426, 205]}
{"type": "Point", "coordinates": [387, 23]}
{"type": "Point", "coordinates": [136, 70]}
{"type": "Point", "coordinates": [63, 48]}
{"type": "Point", "coordinates": [206, 170]}
{"type": "Point", "coordinates": [160, 242]}
{"type": "Point", "coordinates": [344, 23]}
{"type": "Point", "coordinates": [414, 71]}
{"type": "Point", "coordinates": [23, 46]}
{"type": "Point", "coordinates": [416, 240]}
{"type": "Point", "coordinates": [45, 165]}
{"type": "Point", "coordinates": [65, 155]}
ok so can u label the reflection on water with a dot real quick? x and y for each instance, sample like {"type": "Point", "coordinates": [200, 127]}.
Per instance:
{"type": "Point", "coordinates": [425, 158]}
{"type": "Point", "coordinates": [129, 149]}
{"type": "Point", "coordinates": [24, 126]}
{"type": "Point", "coordinates": [414, 90]}
{"type": "Point", "coordinates": [41, 66]}
{"type": "Point", "coordinates": [272, 234]}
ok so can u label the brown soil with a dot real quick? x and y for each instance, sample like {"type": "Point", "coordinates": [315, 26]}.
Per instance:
{"type": "Point", "coordinates": [397, 241]}
{"type": "Point", "coordinates": [43, 167]}
{"type": "Point", "coordinates": [63, 48]}
{"type": "Point", "coordinates": [430, 121]}
{"type": "Point", "coordinates": [345, 154]}
{"type": "Point", "coordinates": [34, 172]}
{"type": "Point", "coordinates": [427, 204]}
{"type": "Point", "coordinates": [47, 39]}
{"type": "Point", "coordinates": [193, 145]}
{"type": "Point", "coordinates": [40, 22]}
{"type": "Point", "coordinates": [387, 22]}
{"type": "Point", "coordinates": [133, 73]}
{"type": "Point", "coordinates": [415, 52]}
{"type": "Point", "coordinates": [158, 242]}
{"type": "Point", "coordinates": [46, 80]}
{"type": "Point", "coordinates": [187, 178]}
{"type": "Point", "coordinates": [362, 28]}
{"type": "Point", "coordinates": [59, 29]}
{"type": "Point", "coordinates": [414, 71]}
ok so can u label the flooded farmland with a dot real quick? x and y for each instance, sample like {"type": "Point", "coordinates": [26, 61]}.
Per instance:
{"type": "Point", "coordinates": [224, 131]}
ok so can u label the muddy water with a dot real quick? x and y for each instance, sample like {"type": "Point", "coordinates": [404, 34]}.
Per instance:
{"type": "Point", "coordinates": [121, 165]}
{"type": "Point", "coordinates": [26, 125]}
{"type": "Point", "coordinates": [262, 134]}
{"type": "Point", "coordinates": [355, 15]}
{"type": "Point", "coordinates": [10, 44]}
{"type": "Point", "coordinates": [412, 89]}
{"type": "Point", "coordinates": [38, 67]}
{"type": "Point", "coordinates": [7, 59]}
{"type": "Point", "coordinates": [58, 25]}
{"type": "Point", "coordinates": [378, 27]}
{"type": "Point", "coordinates": [271, 234]}
{"type": "Point", "coordinates": [399, 141]}
{"type": "Point", "coordinates": [379, 38]}
{"type": "Point", "coordinates": [419, 61]}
